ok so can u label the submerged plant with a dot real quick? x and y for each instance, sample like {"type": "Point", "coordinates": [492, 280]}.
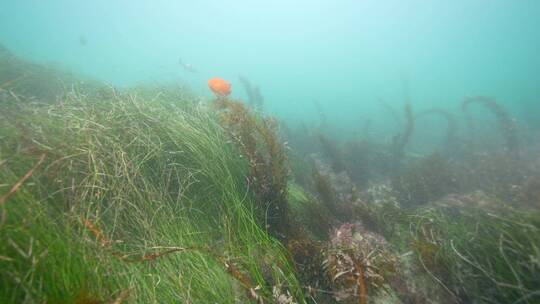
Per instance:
{"type": "Point", "coordinates": [255, 98]}
{"type": "Point", "coordinates": [425, 181]}
{"type": "Point", "coordinates": [357, 156]}
{"type": "Point", "coordinates": [496, 174]}
{"type": "Point", "coordinates": [325, 191]}
{"type": "Point", "coordinates": [402, 139]}
{"type": "Point", "coordinates": [498, 259]}
{"type": "Point", "coordinates": [149, 195]}
{"type": "Point", "coordinates": [132, 190]}
{"type": "Point", "coordinates": [332, 152]}
{"type": "Point", "coordinates": [335, 190]}
{"type": "Point", "coordinates": [312, 215]}
{"type": "Point", "coordinates": [530, 192]}
{"type": "Point", "coordinates": [258, 141]}
{"type": "Point", "coordinates": [472, 250]}
{"type": "Point", "coordinates": [508, 126]}
{"type": "Point", "coordinates": [358, 263]}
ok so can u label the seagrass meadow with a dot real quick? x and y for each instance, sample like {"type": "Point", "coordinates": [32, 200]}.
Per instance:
{"type": "Point", "coordinates": [109, 196]}
{"type": "Point", "coordinates": [260, 153]}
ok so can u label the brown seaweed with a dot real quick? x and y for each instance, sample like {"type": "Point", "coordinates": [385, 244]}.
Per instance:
{"type": "Point", "coordinates": [508, 126]}
{"type": "Point", "coordinates": [269, 171]}
{"type": "Point", "coordinates": [255, 98]}
{"type": "Point", "coordinates": [402, 139]}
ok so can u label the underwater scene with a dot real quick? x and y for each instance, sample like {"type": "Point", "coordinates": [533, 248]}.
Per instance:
{"type": "Point", "coordinates": [288, 152]}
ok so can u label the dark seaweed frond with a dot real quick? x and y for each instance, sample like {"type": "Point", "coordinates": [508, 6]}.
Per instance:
{"type": "Point", "coordinates": [255, 98]}
{"type": "Point", "coordinates": [402, 139]}
{"type": "Point", "coordinates": [332, 152]}
{"type": "Point", "coordinates": [508, 126]}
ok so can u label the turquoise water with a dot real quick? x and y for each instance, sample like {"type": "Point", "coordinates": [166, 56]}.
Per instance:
{"type": "Point", "coordinates": [343, 55]}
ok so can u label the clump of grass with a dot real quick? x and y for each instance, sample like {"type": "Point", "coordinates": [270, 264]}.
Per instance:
{"type": "Point", "coordinates": [500, 247]}
{"type": "Point", "coordinates": [139, 198]}
{"type": "Point", "coordinates": [474, 253]}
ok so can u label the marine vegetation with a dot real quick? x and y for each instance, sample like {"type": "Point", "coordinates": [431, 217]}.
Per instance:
{"type": "Point", "coordinates": [258, 141]}
{"type": "Point", "coordinates": [156, 195]}
{"type": "Point", "coordinates": [402, 139]}
{"type": "Point", "coordinates": [426, 180]}
{"type": "Point", "coordinates": [332, 152]}
{"type": "Point", "coordinates": [507, 125]}
{"type": "Point", "coordinates": [254, 96]}
{"type": "Point", "coordinates": [137, 197]}
{"type": "Point", "coordinates": [357, 262]}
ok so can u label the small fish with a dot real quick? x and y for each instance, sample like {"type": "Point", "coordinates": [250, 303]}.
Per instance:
{"type": "Point", "coordinates": [187, 66]}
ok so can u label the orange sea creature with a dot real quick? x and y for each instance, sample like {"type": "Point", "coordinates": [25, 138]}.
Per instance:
{"type": "Point", "coordinates": [220, 87]}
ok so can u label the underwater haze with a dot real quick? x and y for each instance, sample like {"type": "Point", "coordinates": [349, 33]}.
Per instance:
{"type": "Point", "coordinates": [344, 55]}
{"type": "Point", "coordinates": [287, 152]}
